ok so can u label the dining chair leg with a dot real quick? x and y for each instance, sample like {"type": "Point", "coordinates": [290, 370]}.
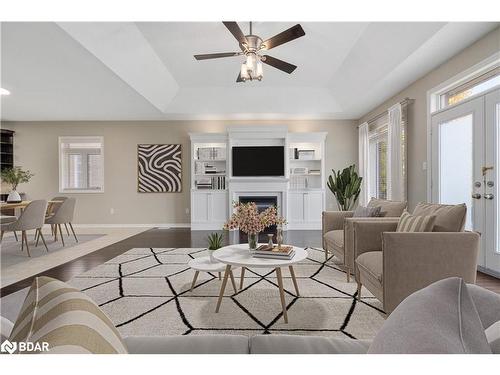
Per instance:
{"type": "Point", "coordinates": [52, 229]}
{"type": "Point", "coordinates": [43, 239]}
{"type": "Point", "coordinates": [55, 232]}
{"type": "Point", "coordinates": [15, 235]}
{"type": "Point", "coordinates": [37, 236]}
{"type": "Point", "coordinates": [22, 241]}
{"type": "Point", "coordinates": [26, 242]}
{"type": "Point", "coordinates": [71, 226]}
{"type": "Point", "coordinates": [66, 226]}
{"type": "Point", "coordinates": [1, 236]}
{"type": "Point", "coordinates": [61, 235]}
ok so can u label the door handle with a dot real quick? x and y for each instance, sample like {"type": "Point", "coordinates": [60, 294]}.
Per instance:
{"type": "Point", "coordinates": [489, 196]}
{"type": "Point", "coordinates": [476, 196]}
{"type": "Point", "coordinates": [485, 169]}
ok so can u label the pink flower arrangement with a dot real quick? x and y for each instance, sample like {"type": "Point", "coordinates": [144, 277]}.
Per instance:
{"type": "Point", "coordinates": [247, 218]}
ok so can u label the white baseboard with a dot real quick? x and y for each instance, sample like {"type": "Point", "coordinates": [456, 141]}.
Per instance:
{"type": "Point", "coordinates": [161, 225]}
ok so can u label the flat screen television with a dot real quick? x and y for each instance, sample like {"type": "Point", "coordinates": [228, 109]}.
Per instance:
{"type": "Point", "coordinates": [257, 161]}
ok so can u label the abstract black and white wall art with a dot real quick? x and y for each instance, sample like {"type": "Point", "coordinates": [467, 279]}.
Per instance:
{"type": "Point", "coordinates": [159, 168]}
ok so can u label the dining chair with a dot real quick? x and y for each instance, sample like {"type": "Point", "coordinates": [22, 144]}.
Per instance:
{"type": "Point", "coordinates": [63, 215]}
{"type": "Point", "coordinates": [5, 219]}
{"type": "Point", "coordinates": [32, 217]}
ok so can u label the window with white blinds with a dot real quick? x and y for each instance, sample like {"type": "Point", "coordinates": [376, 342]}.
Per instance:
{"type": "Point", "coordinates": [81, 164]}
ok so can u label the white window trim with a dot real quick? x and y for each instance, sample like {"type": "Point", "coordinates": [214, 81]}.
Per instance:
{"type": "Point", "coordinates": [433, 97]}
{"type": "Point", "coordinates": [65, 139]}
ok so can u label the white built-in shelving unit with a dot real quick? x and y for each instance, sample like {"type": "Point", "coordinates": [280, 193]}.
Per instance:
{"type": "Point", "coordinates": [300, 192]}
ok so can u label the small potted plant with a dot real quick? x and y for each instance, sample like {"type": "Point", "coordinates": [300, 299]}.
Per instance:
{"type": "Point", "coordinates": [15, 176]}
{"type": "Point", "coordinates": [214, 243]}
{"type": "Point", "coordinates": [345, 185]}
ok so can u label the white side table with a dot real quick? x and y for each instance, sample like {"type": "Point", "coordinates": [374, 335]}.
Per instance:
{"type": "Point", "coordinates": [240, 256]}
{"type": "Point", "coordinates": [204, 264]}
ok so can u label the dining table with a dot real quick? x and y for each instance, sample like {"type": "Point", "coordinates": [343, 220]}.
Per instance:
{"type": "Point", "coordinates": [22, 205]}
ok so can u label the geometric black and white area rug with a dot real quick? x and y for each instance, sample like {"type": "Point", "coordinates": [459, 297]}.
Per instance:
{"type": "Point", "coordinates": [146, 292]}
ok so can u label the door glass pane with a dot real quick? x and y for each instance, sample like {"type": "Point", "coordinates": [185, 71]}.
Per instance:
{"type": "Point", "coordinates": [497, 182]}
{"type": "Point", "coordinates": [455, 163]}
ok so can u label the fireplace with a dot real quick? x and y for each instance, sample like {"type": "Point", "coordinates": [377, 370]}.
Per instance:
{"type": "Point", "coordinates": [263, 202]}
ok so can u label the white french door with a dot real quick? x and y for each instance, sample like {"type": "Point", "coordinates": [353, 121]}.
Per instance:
{"type": "Point", "coordinates": [465, 161]}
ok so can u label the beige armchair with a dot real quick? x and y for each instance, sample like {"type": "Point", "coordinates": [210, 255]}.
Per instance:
{"type": "Point", "coordinates": [338, 233]}
{"type": "Point", "coordinates": [392, 265]}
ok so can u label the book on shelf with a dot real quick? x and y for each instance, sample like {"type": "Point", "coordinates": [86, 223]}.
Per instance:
{"type": "Point", "coordinates": [214, 183]}
{"type": "Point", "coordinates": [211, 153]}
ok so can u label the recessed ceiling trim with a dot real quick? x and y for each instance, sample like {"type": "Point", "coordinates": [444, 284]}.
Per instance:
{"type": "Point", "coordinates": [123, 48]}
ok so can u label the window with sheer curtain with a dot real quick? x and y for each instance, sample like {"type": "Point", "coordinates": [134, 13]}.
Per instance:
{"type": "Point", "coordinates": [81, 164]}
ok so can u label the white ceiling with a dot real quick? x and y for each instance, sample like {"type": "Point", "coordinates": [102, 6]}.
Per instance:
{"type": "Point", "coordinates": [146, 71]}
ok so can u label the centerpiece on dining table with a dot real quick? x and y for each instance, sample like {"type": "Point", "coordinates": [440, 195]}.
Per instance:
{"type": "Point", "coordinates": [247, 218]}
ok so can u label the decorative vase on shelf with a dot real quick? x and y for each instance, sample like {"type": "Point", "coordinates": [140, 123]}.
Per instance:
{"type": "Point", "coordinates": [253, 239]}
{"type": "Point", "coordinates": [14, 197]}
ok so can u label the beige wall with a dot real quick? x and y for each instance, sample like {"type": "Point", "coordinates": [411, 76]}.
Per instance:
{"type": "Point", "coordinates": [36, 149]}
{"type": "Point", "coordinates": [417, 128]}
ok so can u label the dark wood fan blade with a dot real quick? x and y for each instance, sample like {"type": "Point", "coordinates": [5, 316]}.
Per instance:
{"type": "Point", "coordinates": [216, 55]}
{"type": "Point", "coordinates": [236, 31]}
{"type": "Point", "coordinates": [286, 36]}
{"type": "Point", "coordinates": [278, 64]}
{"type": "Point", "coordinates": [239, 79]}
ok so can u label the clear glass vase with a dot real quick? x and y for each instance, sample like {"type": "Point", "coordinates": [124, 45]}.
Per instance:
{"type": "Point", "coordinates": [253, 239]}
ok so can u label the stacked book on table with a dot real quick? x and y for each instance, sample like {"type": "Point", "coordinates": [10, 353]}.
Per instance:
{"type": "Point", "coordinates": [274, 252]}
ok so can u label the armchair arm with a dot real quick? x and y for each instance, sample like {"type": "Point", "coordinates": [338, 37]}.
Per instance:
{"type": "Point", "coordinates": [349, 235]}
{"type": "Point", "coordinates": [412, 261]}
{"type": "Point", "coordinates": [368, 234]}
{"type": "Point", "coordinates": [333, 220]}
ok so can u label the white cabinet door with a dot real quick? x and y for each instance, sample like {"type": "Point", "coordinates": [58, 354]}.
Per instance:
{"type": "Point", "coordinates": [219, 209]}
{"type": "Point", "coordinates": [200, 212]}
{"type": "Point", "coordinates": [313, 203]}
{"type": "Point", "coordinates": [295, 207]}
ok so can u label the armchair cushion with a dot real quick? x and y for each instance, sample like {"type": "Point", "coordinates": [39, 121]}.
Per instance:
{"type": "Point", "coordinates": [439, 319]}
{"type": "Point", "coordinates": [449, 218]}
{"type": "Point", "coordinates": [371, 262]}
{"type": "Point", "coordinates": [413, 223]}
{"type": "Point", "coordinates": [388, 208]}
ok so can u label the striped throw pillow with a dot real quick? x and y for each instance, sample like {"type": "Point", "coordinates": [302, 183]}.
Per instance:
{"type": "Point", "coordinates": [66, 319]}
{"type": "Point", "coordinates": [412, 223]}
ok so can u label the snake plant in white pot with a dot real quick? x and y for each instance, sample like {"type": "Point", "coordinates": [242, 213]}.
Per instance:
{"type": "Point", "coordinates": [214, 242]}
{"type": "Point", "coordinates": [15, 176]}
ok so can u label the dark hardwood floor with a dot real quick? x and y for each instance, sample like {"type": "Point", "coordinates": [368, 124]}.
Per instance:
{"type": "Point", "coordinates": [181, 237]}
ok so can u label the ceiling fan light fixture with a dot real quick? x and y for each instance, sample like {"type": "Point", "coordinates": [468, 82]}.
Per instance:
{"type": "Point", "coordinates": [251, 63]}
{"type": "Point", "coordinates": [244, 73]}
{"type": "Point", "coordinates": [259, 71]}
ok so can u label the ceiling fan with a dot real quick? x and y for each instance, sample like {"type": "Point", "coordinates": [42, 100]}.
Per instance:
{"type": "Point", "coordinates": [252, 47]}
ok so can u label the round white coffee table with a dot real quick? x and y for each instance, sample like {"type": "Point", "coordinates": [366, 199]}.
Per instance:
{"type": "Point", "coordinates": [204, 264]}
{"type": "Point", "coordinates": [240, 256]}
